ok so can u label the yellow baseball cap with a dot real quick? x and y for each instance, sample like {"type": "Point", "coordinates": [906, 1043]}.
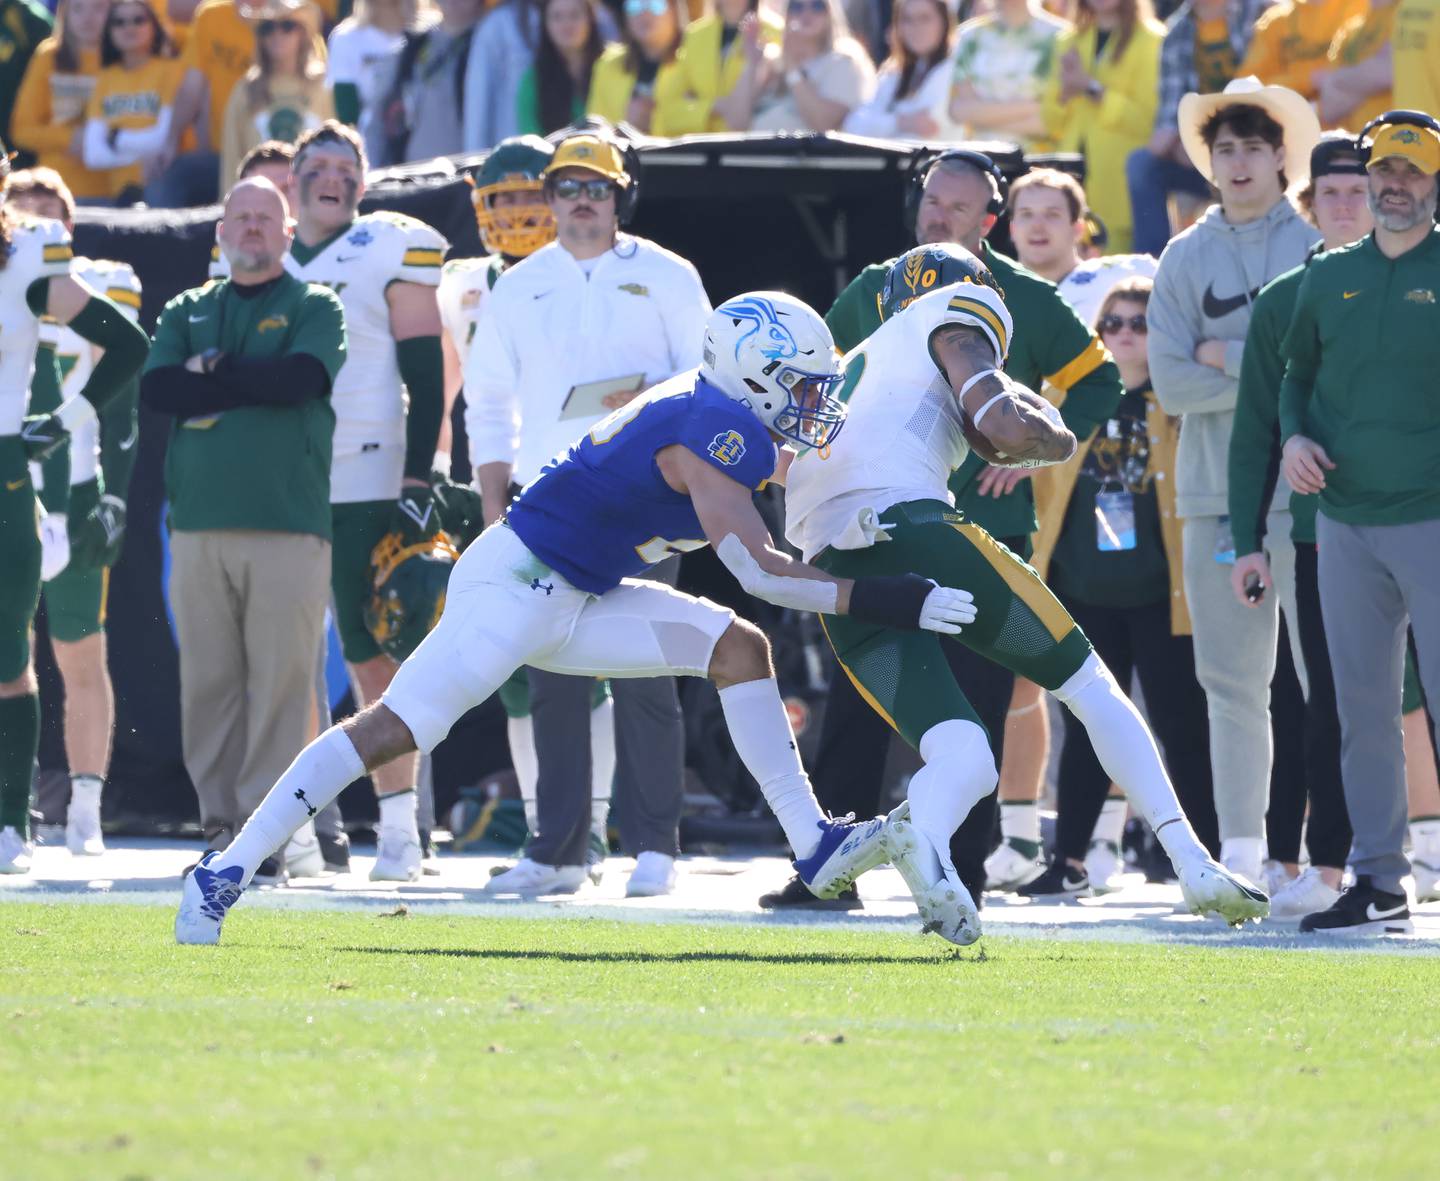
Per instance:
{"type": "Point", "coordinates": [1419, 145]}
{"type": "Point", "coordinates": [590, 152]}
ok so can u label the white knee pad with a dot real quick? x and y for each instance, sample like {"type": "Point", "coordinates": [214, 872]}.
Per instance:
{"type": "Point", "coordinates": [959, 772]}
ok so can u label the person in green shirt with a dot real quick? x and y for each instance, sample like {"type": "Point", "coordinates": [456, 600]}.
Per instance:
{"type": "Point", "coordinates": [245, 367]}
{"type": "Point", "coordinates": [1359, 419]}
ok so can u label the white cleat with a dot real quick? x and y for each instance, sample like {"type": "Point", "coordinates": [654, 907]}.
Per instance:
{"type": "Point", "coordinates": [944, 903]}
{"type": "Point", "coordinates": [1427, 880]}
{"type": "Point", "coordinates": [530, 879]}
{"type": "Point", "coordinates": [303, 857]}
{"type": "Point", "coordinates": [16, 853]}
{"type": "Point", "coordinates": [205, 898]}
{"type": "Point", "coordinates": [654, 874]}
{"type": "Point", "coordinates": [1274, 877]}
{"type": "Point", "coordinates": [82, 820]}
{"type": "Point", "coordinates": [1008, 868]}
{"type": "Point", "coordinates": [1210, 888]}
{"type": "Point", "coordinates": [397, 856]}
{"type": "Point", "coordinates": [1104, 865]}
{"type": "Point", "coordinates": [1307, 894]}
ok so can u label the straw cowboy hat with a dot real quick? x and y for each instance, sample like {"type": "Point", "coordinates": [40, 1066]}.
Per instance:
{"type": "Point", "coordinates": [1295, 116]}
{"type": "Point", "coordinates": [303, 11]}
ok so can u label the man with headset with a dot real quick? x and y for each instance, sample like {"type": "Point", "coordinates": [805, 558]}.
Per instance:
{"type": "Point", "coordinates": [1360, 424]}
{"type": "Point", "coordinates": [957, 196]}
{"type": "Point", "coordinates": [568, 334]}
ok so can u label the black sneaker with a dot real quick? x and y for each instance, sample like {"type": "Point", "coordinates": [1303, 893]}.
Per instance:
{"type": "Point", "coordinates": [1061, 880]}
{"type": "Point", "coordinates": [795, 895]}
{"type": "Point", "coordinates": [271, 872]}
{"type": "Point", "coordinates": [336, 851]}
{"type": "Point", "coordinates": [1362, 910]}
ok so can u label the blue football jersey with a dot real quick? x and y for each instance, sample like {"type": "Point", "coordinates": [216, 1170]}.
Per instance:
{"type": "Point", "coordinates": [602, 511]}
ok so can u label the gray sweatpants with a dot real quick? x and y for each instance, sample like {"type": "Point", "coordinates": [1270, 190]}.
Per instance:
{"type": "Point", "coordinates": [1235, 661]}
{"type": "Point", "coordinates": [1373, 579]}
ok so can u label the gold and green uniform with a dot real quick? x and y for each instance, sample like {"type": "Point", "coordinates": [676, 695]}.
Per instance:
{"type": "Point", "coordinates": [256, 467]}
{"type": "Point", "coordinates": [1372, 404]}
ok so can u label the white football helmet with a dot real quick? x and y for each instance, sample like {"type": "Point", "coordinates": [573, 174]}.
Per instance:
{"type": "Point", "coordinates": [774, 355]}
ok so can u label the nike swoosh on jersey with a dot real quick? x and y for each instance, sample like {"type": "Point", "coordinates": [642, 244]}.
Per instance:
{"type": "Point", "coordinates": [1376, 916]}
{"type": "Point", "coordinates": [1216, 308]}
{"type": "Point", "coordinates": [346, 257]}
{"type": "Point", "coordinates": [540, 295]}
{"type": "Point", "coordinates": [1349, 294]}
{"type": "Point", "coordinates": [198, 319]}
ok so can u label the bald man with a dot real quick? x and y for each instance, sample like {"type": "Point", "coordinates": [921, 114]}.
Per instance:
{"type": "Point", "coordinates": [244, 366]}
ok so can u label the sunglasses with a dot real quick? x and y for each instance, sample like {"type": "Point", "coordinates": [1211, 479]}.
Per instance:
{"type": "Point", "coordinates": [641, 7]}
{"type": "Point", "coordinates": [799, 6]}
{"type": "Point", "coordinates": [280, 26]}
{"type": "Point", "coordinates": [128, 22]}
{"type": "Point", "coordinates": [1115, 323]}
{"type": "Point", "coordinates": [570, 189]}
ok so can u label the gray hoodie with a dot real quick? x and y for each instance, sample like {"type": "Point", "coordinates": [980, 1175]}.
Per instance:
{"type": "Point", "coordinates": [1207, 280]}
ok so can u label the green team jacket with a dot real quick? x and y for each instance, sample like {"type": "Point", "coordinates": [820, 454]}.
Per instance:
{"type": "Point", "coordinates": [1255, 436]}
{"type": "Point", "coordinates": [257, 467]}
{"type": "Point", "coordinates": [1051, 344]}
{"type": "Point", "coordinates": [1362, 365]}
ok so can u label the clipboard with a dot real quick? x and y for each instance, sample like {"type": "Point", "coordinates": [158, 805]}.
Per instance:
{"type": "Point", "coordinates": [587, 400]}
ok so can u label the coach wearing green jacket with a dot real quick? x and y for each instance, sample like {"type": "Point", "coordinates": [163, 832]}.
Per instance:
{"type": "Point", "coordinates": [245, 366]}
{"type": "Point", "coordinates": [1360, 416]}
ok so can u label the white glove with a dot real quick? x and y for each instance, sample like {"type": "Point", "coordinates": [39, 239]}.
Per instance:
{"type": "Point", "coordinates": [945, 609]}
{"type": "Point", "coordinates": [54, 545]}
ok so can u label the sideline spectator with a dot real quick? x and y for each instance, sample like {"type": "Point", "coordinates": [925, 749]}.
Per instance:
{"type": "Point", "coordinates": [420, 116]}
{"type": "Point", "coordinates": [50, 107]}
{"type": "Point", "coordinates": [554, 90]}
{"type": "Point", "coordinates": [1110, 540]}
{"type": "Point", "coordinates": [501, 51]}
{"type": "Point", "coordinates": [1251, 141]}
{"type": "Point", "coordinates": [24, 25]}
{"type": "Point", "coordinates": [1356, 86]}
{"type": "Point", "coordinates": [912, 92]}
{"type": "Point", "coordinates": [631, 315]}
{"type": "Point", "coordinates": [283, 94]}
{"type": "Point", "coordinates": [815, 77]}
{"type": "Point", "coordinates": [1335, 202]}
{"type": "Point", "coordinates": [636, 81]}
{"type": "Point", "coordinates": [128, 119]}
{"type": "Point", "coordinates": [1292, 41]}
{"type": "Point", "coordinates": [1204, 43]}
{"type": "Point", "coordinates": [713, 54]}
{"type": "Point", "coordinates": [1002, 60]}
{"type": "Point", "coordinates": [1100, 100]}
{"type": "Point", "coordinates": [361, 51]}
{"type": "Point", "coordinates": [1357, 412]}
{"type": "Point", "coordinates": [247, 474]}
{"type": "Point", "coordinates": [1415, 59]}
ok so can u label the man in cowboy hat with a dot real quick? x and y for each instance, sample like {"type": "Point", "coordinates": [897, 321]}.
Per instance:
{"type": "Point", "coordinates": [1250, 142]}
{"type": "Point", "coordinates": [1361, 425]}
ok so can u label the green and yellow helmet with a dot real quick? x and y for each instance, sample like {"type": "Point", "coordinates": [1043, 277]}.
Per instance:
{"type": "Point", "coordinates": [924, 269]}
{"type": "Point", "coordinates": [514, 166]}
{"type": "Point", "coordinates": [409, 591]}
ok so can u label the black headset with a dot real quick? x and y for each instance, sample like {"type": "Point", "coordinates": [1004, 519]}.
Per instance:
{"type": "Point", "coordinates": [1397, 118]}
{"type": "Point", "coordinates": [925, 163]}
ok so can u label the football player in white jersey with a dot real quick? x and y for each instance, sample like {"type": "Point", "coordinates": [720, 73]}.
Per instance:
{"type": "Point", "coordinates": [102, 456]}
{"type": "Point", "coordinates": [36, 280]}
{"type": "Point", "coordinates": [923, 390]}
{"type": "Point", "coordinates": [514, 222]}
{"type": "Point", "coordinates": [389, 402]}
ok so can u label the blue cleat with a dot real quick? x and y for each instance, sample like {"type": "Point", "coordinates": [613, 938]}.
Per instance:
{"type": "Point", "coordinates": [846, 850]}
{"type": "Point", "coordinates": [207, 895]}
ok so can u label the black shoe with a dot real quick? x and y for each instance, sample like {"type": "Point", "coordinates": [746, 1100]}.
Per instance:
{"type": "Point", "coordinates": [271, 872]}
{"type": "Point", "coordinates": [336, 851]}
{"type": "Point", "coordinates": [1061, 880]}
{"type": "Point", "coordinates": [795, 895]}
{"type": "Point", "coordinates": [1362, 910]}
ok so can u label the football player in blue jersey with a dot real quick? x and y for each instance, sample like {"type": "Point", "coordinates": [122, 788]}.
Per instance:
{"type": "Point", "coordinates": [550, 587]}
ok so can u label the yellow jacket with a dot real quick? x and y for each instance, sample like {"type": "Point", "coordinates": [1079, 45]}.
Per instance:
{"type": "Point", "coordinates": [1292, 41]}
{"type": "Point", "coordinates": [1416, 56]}
{"type": "Point", "coordinates": [50, 109]}
{"type": "Point", "coordinates": [611, 85]}
{"type": "Point", "coordinates": [1107, 131]}
{"type": "Point", "coordinates": [1055, 485]}
{"type": "Point", "coordinates": [707, 75]}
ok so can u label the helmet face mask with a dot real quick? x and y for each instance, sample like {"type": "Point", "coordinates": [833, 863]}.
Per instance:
{"type": "Point", "coordinates": [524, 222]}
{"type": "Point", "coordinates": [928, 268]}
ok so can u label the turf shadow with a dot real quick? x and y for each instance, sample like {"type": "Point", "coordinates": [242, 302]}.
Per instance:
{"type": "Point", "coordinates": [941, 957]}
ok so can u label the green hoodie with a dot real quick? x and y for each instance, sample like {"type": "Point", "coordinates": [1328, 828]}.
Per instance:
{"type": "Point", "coordinates": [1362, 359]}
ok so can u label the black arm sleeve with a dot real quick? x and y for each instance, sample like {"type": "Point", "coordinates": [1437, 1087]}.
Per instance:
{"type": "Point", "coordinates": [236, 382]}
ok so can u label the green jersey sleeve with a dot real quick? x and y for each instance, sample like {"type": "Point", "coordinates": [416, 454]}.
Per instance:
{"type": "Point", "coordinates": [320, 329]}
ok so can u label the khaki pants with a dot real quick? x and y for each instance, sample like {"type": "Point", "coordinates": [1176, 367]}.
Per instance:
{"type": "Point", "coordinates": [249, 610]}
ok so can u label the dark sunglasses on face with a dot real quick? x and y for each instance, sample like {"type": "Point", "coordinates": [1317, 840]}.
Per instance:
{"type": "Point", "coordinates": [570, 189]}
{"type": "Point", "coordinates": [282, 26]}
{"type": "Point", "coordinates": [799, 6]}
{"type": "Point", "coordinates": [128, 22]}
{"type": "Point", "coordinates": [1115, 323]}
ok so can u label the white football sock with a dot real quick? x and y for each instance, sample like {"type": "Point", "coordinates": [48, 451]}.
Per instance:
{"type": "Point", "coordinates": [1425, 840]}
{"type": "Point", "coordinates": [760, 730]}
{"type": "Point", "coordinates": [1126, 749]}
{"type": "Point", "coordinates": [521, 733]}
{"type": "Point", "coordinates": [602, 763]}
{"type": "Point", "coordinates": [1111, 824]}
{"type": "Point", "coordinates": [398, 813]}
{"type": "Point", "coordinates": [319, 773]}
{"type": "Point", "coordinates": [959, 772]}
{"type": "Point", "coordinates": [1020, 820]}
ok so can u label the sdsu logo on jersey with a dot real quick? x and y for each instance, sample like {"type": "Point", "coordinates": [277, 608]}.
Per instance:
{"type": "Point", "coordinates": [728, 447]}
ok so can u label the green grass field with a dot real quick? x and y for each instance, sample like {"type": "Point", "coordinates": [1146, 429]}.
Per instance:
{"type": "Point", "coordinates": [317, 1045]}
